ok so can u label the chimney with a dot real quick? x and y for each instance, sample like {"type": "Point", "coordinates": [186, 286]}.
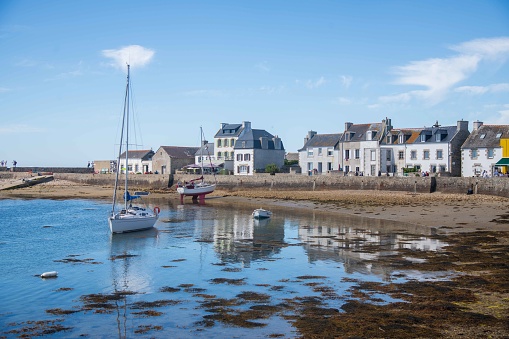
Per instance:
{"type": "Point", "coordinates": [223, 124]}
{"type": "Point", "coordinates": [277, 142]}
{"type": "Point", "coordinates": [205, 142]}
{"type": "Point", "coordinates": [462, 126]}
{"type": "Point", "coordinates": [309, 136]}
{"type": "Point", "coordinates": [348, 125]}
{"type": "Point", "coordinates": [477, 124]}
{"type": "Point", "coordinates": [246, 125]}
{"type": "Point", "coordinates": [264, 141]}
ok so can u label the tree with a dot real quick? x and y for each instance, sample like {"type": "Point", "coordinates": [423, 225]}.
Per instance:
{"type": "Point", "coordinates": [272, 169]}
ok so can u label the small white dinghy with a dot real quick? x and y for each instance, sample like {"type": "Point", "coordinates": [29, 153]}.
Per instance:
{"type": "Point", "coordinates": [52, 274]}
{"type": "Point", "coordinates": [261, 213]}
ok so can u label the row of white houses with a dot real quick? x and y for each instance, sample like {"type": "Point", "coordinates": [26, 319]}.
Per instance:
{"type": "Point", "coordinates": [237, 148]}
{"type": "Point", "coordinates": [379, 149]}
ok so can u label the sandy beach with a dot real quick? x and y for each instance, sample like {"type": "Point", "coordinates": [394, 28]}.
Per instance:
{"type": "Point", "coordinates": [472, 304]}
{"type": "Point", "coordinates": [450, 213]}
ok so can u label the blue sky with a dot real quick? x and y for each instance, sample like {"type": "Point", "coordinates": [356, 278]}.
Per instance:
{"type": "Point", "coordinates": [286, 66]}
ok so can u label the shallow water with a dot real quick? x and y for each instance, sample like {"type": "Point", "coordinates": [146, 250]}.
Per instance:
{"type": "Point", "coordinates": [199, 273]}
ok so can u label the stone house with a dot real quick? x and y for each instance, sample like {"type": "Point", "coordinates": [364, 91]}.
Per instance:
{"type": "Point", "coordinates": [361, 147]}
{"type": "Point", "coordinates": [139, 161]}
{"type": "Point", "coordinates": [254, 149]}
{"type": "Point", "coordinates": [482, 152]}
{"type": "Point", "coordinates": [321, 153]}
{"type": "Point", "coordinates": [168, 159]}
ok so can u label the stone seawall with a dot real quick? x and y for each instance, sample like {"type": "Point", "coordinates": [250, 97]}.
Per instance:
{"type": "Point", "coordinates": [498, 186]}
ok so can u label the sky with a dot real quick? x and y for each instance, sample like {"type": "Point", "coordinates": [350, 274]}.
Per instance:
{"type": "Point", "coordinates": [286, 66]}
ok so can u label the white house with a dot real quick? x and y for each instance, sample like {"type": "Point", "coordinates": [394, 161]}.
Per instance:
{"type": "Point", "coordinates": [139, 161]}
{"type": "Point", "coordinates": [225, 140]}
{"type": "Point", "coordinates": [482, 149]}
{"type": "Point", "coordinates": [438, 149]}
{"type": "Point", "coordinates": [321, 153]}
{"type": "Point", "coordinates": [206, 155]}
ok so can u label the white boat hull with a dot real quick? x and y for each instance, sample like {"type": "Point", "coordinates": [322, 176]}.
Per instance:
{"type": "Point", "coordinates": [121, 223]}
{"type": "Point", "coordinates": [197, 190]}
{"type": "Point", "coordinates": [261, 214]}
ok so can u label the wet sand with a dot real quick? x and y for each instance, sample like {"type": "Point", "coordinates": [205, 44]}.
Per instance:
{"type": "Point", "coordinates": [448, 212]}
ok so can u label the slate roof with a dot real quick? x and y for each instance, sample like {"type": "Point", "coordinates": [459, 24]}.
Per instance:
{"type": "Point", "coordinates": [139, 154]}
{"type": "Point", "coordinates": [358, 132]}
{"type": "Point", "coordinates": [323, 140]}
{"type": "Point", "coordinates": [207, 149]}
{"type": "Point", "coordinates": [252, 139]}
{"type": "Point", "coordinates": [180, 152]}
{"type": "Point", "coordinates": [292, 156]}
{"type": "Point", "coordinates": [447, 134]}
{"type": "Point", "coordinates": [229, 130]}
{"type": "Point", "coordinates": [489, 140]}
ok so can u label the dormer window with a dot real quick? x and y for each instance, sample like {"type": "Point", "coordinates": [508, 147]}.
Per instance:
{"type": "Point", "coordinates": [423, 137]}
{"type": "Point", "coordinates": [499, 135]}
{"type": "Point", "coordinates": [401, 138]}
{"type": "Point", "coordinates": [483, 136]}
{"type": "Point", "coordinates": [438, 137]}
{"type": "Point", "coordinates": [368, 135]}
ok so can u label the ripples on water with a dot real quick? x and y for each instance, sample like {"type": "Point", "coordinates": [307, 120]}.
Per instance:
{"type": "Point", "coordinates": [205, 271]}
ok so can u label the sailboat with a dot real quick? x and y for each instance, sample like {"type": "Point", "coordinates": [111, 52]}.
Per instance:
{"type": "Point", "coordinates": [130, 218]}
{"type": "Point", "coordinates": [196, 188]}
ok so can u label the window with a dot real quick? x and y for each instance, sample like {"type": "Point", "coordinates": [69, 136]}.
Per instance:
{"type": "Point", "coordinates": [310, 152]}
{"type": "Point", "coordinates": [330, 151]}
{"type": "Point", "coordinates": [357, 153]}
{"type": "Point", "coordinates": [219, 155]}
{"type": "Point", "coordinates": [239, 157]}
{"type": "Point", "coordinates": [401, 155]}
{"type": "Point", "coordinates": [439, 154]}
{"type": "Point", "coordinates": [373, 170]}
{"type": "Point", "coordinates": [369, 135]}
{"type": "Point", "coordinates": [319, 151]}
{"type": "Point", "coordinates": [389, 139]}
{"type": "Point", "coordinates": [247, 157]}
{"type": "Point", "coordinates": [310, 167]}
{"type": "Point", "coordinates": [357, 169]}
{"type": "Point", "coordinates": [347, 154]}
{"type": "Point", "coordinates": [474, 154]}
{"type": "Point", "coordinates": [388, 154]}
{"type": "Point", "coordinates": [423, 137]}
{"type": "Point", "coordinates": [219, 141]}
{"type": "Point", "coordinates": [483, 136]}
{"type": "Point", "coordinates": [438, 138]}
{"type": "Point", "coordinates": [232, 142]}
{"type": "Point", "coordinates": [401, 138]}
{"type": "Point", "coordinates": [243, 169]}
{"type": "Point", "coordinates": [499, 135]}
{"type": "Point", "coordinates": [433, 168]}
{"type": "Point", "coordinates": [442, 168]}
{"type": "Point", "coordinates": [413, 155]}
{"type": "Point", "coordinates": [347, 137]}
{"type": "Point", "coordinates": [425, 154]}
{"type": "Point", "coordinates": [225, 143]}
{"type": "Point", "coordinates": [347, 169]}
{"type": "Point", "coordinates": [491, 153]}
{"type": "Point", "coordinates": [373, 155]}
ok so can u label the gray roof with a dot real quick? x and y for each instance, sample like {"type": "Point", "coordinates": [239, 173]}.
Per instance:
{"type": "Point", "coordinates": [447, 134]}
{"type": "Point", "coordinates": [486, 136]}
{"type": "Point", "coordinates": [207, 149]}
{"type": "Point", "coordinates": [358, 132]}
{"type": "Point", "coordinates": [323, 140]}
{"type": "Point", "coordinates": [229, 130]}
{"type": "Point", "coordinates": [180, 152]}
{"type": "Point", "coordinates": [139, 154]}
{"type": "Point", "coordinates": [252, 137]}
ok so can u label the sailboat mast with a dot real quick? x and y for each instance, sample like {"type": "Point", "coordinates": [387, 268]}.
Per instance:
{"type": "Point", "coordinates": [119, 167]}
{"type": "Point", "coordinates": [201, 153]}
{"type": "Point", "coordinates": [127, 134]}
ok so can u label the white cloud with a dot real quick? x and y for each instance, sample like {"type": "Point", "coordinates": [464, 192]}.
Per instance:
{"type": "Point", "coordinates": [503, 118]}
{"type": "Point", "coordinates": [263, 66]}
{"type": "Point", "coordinates": [134, 55]}
{"type": "Point", "coordinates": [493, 48]}
{"type": "Point", "coordinates": [346, 80]}
{"type": "Point", "coordinates": [19, 129]}
{"type": "Point", "coordinates": [478, 90]}
{"type": "Point", "coordinates": [312, 84]}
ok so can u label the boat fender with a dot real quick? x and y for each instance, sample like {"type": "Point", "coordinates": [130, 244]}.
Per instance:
{"type": "Point", "coordinates": [157, 210]}
{"type": "Point", "coordinates": [52, 274]}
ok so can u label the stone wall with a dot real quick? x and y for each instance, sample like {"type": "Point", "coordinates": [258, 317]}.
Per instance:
{"type": "Point", "coordinates": [52, 169]}
{"type": "Point", "coordinates": [491, 186]}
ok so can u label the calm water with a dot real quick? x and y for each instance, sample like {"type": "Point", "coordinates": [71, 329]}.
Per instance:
{"type": "Point", "coordinates": [175, 266]}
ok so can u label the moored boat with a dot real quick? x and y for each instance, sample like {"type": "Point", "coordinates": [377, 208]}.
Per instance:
{"type": "Point", "coordinates": [261, 213]}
